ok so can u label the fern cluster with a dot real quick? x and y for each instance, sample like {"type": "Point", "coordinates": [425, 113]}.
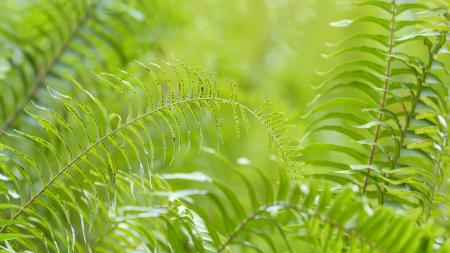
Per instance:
{"type": "Point", "coordinates": [91, 133]}
{"type": "Point", "coordinates": [398, 141]}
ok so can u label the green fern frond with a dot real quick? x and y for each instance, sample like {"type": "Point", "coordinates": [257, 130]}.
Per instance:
{"type": "Point", "coordinates": [100, 152]}
{"type": "Point", "coordinates": [398, 101]}
{"type": "Point", "coordinates": [47, 41]}
{"type": "Point", "coordinates": [88, 145]}
{"type": "Point", "coordinates": [295, 217]}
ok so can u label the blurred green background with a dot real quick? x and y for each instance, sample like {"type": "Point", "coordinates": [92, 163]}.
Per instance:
{"type": "Point", "coordinates": [271, 48]}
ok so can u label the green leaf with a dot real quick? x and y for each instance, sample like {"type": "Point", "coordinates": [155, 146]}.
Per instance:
{"type": "Point", "coordinates": [9, 236]}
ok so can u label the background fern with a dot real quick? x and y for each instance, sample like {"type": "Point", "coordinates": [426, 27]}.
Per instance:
{"type": "Point", "coordinates": [109, 143]}
{"type": "Point", "coordinates": [400, 138]}
{"type": "Point", "coordinates": [46, 42]}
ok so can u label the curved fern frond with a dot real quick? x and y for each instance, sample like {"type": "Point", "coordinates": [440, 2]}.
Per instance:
{"type": "Point", "coordinates": [88, 144]}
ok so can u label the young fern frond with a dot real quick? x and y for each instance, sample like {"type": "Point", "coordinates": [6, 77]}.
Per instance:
{"type": "Point", "coordinates": [89, 145]}
{"type": "Point", "coordinates": [397, 118]}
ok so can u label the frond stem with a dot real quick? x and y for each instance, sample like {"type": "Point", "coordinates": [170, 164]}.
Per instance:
{"type": "Point", "coordinates": [411, 114]}
{"type": "Point", "coordinates": [284, 205]}
{"type": "Point", "coordinates": [103, 236]}
{"type": "Point", "coordinates": [387, 82]}
{"type": "Point", "coordinates": [132, 122]}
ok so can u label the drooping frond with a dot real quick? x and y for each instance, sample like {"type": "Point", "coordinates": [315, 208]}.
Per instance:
{"type": "Point", "coordinates": [386, 109]}
{"type": "Point", "coordinates": [76, 158]}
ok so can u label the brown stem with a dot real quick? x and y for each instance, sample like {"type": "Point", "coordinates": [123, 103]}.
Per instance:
{"type": "Point", "coordinates": [385, 91]}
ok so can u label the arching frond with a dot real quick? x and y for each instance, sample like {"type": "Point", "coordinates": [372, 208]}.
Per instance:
{"type": "Point", "coordinates": [76, 159]}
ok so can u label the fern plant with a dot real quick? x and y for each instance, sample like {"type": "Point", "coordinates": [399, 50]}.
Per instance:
{"type": "Point", "coordinates": [398, 146]}
{"type": "Point", "coordinates": [101, 151]}
{"type": "Point", "coordinates": [111, 142]}
{"type": "Point", "coordinates": [44, 43]}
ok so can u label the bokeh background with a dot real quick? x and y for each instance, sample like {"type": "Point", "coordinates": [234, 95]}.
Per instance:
{"type": "Point", "coordinates": [270, 48]}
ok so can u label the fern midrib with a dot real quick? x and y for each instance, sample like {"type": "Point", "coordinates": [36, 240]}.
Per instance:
{"type": "Point", "coordinates": [285, 205]}
{"type": "Point", "coordinates": [42, 77]}
{"type": "Point", "coordinates": [136, 120]}
{"type": "Point", "coordinates": [411, 114]}
{"type": "Point", "coordinates": [387, 82]}
{"type": "Point", "coordinates": [115, 224]}
{"type": "Point", "coordinates": [105, 234]}
{"type": "Point", "coordinates": [419, 93]}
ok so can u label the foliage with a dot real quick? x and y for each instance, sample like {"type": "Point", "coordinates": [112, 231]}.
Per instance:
{"type": "Point", "coordinates": [102, 151]}
{"type": "Point", "coordinates": [403, 96]}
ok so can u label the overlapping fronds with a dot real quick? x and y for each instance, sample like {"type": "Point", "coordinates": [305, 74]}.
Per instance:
{"type": "Point", "coordinates": [146, 220]}
{"type": "Point", "coordinates": [278, 216]}
{"type": "Point", "coordinates": [69, 170]}
{"type": "Point", "coordinates": [47, 41]}
{"type": "Point", "coordinates": [274, 215]}
{"type": "Point", "coordinates": [92, 161]}
{"type": "Point", "coordinates": [386, 109]}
